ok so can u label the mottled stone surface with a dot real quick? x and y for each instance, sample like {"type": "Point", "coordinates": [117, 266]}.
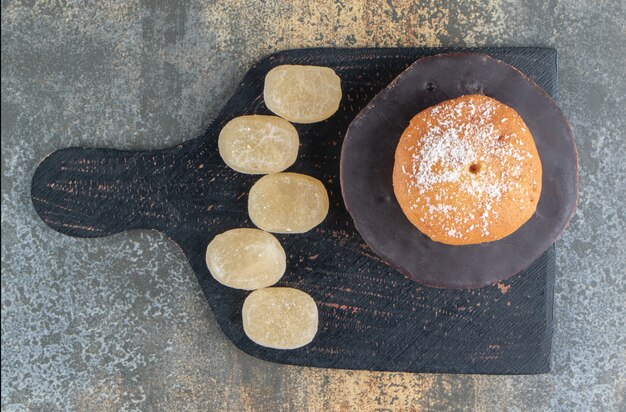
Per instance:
{"type": "Point", "coordinates": [120, 323]}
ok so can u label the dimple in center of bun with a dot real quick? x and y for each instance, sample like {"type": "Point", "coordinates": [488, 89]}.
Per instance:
{"type": "Point", "coordinates": [474, 168]}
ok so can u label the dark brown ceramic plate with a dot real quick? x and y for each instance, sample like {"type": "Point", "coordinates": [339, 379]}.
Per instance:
{"type": "Point", "coordinates": [367, 162]}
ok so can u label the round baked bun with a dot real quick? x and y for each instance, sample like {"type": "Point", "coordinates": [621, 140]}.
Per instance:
{"type": "Point", "coordinates": [467, 171]}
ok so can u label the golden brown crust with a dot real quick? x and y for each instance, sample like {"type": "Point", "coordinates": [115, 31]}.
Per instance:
{"type": "Point", "coordinates": [467, 171]}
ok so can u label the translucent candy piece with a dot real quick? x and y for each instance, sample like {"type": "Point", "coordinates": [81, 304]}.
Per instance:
{"type": "Point", "coordinates": [287, 203]}
{"type": "Point", "coordinates": [246, 259]}
{"type": "Point", "coordinates": [280, 318]}
{"type": "Point", "coordinates": [259, 144]}
{"type": "Point", "coordinates": [302, 94]}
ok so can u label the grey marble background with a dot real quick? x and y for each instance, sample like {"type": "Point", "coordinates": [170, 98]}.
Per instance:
{"type": "Point", "coordinates": [119, 323]}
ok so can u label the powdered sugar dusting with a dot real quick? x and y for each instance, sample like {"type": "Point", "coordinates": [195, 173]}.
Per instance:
{"type": "Point", "coordinates": [462, 166]}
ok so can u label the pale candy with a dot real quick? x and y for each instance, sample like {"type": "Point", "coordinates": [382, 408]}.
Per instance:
{"type": "Point", "coordinates": [258, 144]}
{"type": "Point", "coordinates": [302, 94]}
{"type": "Point", "coordinates": [246, 259]}
{"type": "Point", "coordinates": [287, 203]}
{"type": "Point", "coordinates": [280, 318]}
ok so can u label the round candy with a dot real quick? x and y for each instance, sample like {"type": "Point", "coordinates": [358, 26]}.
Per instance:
{"type": "Point", "coordinates": [302, 94]}
{"type": "Point", "coordinates": [287, 203]}
{"type": "Point", "coordinates": [280, 318]}
{"type": "Point", "coordinates": [258, 144]}
{"type": "Point", "coordinates": [246, 259]}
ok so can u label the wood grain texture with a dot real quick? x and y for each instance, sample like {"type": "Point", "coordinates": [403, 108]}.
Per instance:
{"type": "Point", "coordinates": [371, 317]}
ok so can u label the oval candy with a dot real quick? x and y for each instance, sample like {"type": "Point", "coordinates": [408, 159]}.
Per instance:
{"type": "Point", "coordinates": [258, 144]}
{"type": "Point", "coordinates": [302, 94]}
{"type": "Point", "coordinates": [287, 203]}
{"type": "Point", "coordinates": [280, 318]}
{"type": "Point", "coordinates": [246, 259]}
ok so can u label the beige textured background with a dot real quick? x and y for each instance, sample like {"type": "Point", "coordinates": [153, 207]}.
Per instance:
{"type": "Point", "coordinates": [120, 323]}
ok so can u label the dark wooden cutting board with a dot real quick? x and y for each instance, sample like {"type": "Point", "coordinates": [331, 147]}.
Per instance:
{"type": "Point", "coordinates": [371, 317]}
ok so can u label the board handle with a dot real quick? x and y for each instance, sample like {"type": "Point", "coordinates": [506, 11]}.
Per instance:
{"type": "Point", "coordinates": [86, 192]}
